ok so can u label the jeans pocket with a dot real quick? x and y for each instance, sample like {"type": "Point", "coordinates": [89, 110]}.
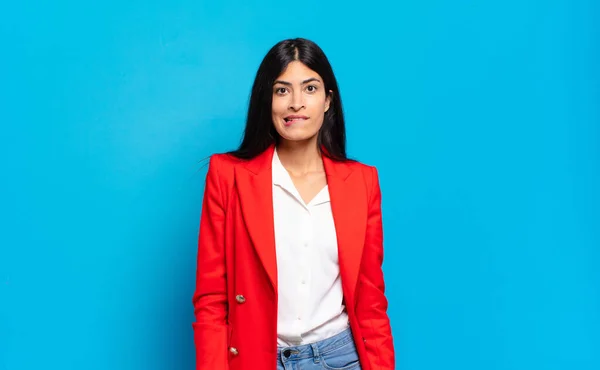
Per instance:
{"type": "Point", "coordinates": [342, 358]}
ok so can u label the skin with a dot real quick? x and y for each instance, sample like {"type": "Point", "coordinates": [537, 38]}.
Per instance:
{"type": "Point", "coordinates": [300, 91]}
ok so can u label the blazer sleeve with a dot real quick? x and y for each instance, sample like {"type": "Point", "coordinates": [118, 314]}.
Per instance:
{"type": "Point", "coordinates": [371, 309]}
{"type": "Point", "coordinates": [210, 296]}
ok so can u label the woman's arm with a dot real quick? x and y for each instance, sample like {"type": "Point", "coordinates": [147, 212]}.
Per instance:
{"type": "Point", "coordinates": [371, 309]}
{"type": "Point", "coordinates": [210, 297]}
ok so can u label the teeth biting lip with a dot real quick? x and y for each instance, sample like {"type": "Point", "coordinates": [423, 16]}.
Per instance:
{"type": "Point", "coordinates": [295, 118]}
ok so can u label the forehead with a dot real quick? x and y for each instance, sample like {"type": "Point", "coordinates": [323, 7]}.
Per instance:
{"type": "Point", "coordinates": [296, 72]}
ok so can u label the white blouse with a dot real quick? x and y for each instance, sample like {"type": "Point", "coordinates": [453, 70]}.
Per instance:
{"type": "Point", "coordinates": [308, 275]}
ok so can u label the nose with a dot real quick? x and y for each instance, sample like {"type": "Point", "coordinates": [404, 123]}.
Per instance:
{"type": "Point", "coordinates": [296, 102]}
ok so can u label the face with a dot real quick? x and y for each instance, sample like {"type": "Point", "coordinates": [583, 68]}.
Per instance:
{"type": "Point", "coordinates": [299, 103]}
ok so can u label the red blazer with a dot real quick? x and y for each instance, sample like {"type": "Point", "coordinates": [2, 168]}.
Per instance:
{"type": "Point", "coordinates": [235, 301]}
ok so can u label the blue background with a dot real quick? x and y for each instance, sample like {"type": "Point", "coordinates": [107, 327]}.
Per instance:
{"type": "Point", "coordinates": [482, 117]}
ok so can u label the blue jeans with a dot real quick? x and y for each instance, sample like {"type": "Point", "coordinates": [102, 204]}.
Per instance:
{"type": "Point", "coordinates": [335, 353]}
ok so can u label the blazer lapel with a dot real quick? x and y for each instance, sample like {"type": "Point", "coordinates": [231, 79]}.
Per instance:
{"type": "Point", "coordinates": [348, 204]}
{"type": "Point", "coordinates": [349, 207]}
{"type": "Point", "coordinates": [255, 189]}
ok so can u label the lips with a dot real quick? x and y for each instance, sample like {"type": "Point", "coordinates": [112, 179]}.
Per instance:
{"type": "Point", "coordinates": [293, 119]}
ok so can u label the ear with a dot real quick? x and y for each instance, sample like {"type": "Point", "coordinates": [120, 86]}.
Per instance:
{"type": "Point", "coordinates": [328, 100]}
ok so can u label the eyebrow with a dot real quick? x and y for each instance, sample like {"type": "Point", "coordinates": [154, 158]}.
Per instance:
{"type": "Point", "coordinates": [312, 79]}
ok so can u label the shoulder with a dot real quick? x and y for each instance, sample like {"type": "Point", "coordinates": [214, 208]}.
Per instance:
{"type": "Point", "coordinates": [221, 169]}
{"type": "Point", "coordinates": [222, 166]}
{"type": "Point", "coordinates": [223, 161]}
{"type": "Point", "coordinates": [369, 171]}
{"type": "Point", "coordinates": [354, 164]}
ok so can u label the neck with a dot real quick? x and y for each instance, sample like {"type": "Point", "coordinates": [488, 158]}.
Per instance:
{"type": "Point", "coordinates": [300, 157]}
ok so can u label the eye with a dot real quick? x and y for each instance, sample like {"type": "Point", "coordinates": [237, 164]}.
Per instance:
{"type": "Point", "coordinates": [311, 88]}
{"type": "Point", "coordinates": [280, 90]}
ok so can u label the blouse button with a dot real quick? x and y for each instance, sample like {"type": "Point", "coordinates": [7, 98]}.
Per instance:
{"type": "Point", "coordinates": [233, 351]}
{"type": "Point", "coordinates": [240, 298]}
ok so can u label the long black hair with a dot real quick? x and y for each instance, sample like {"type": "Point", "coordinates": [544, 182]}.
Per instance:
{"type": "Point", "coordinates": [260, 133]}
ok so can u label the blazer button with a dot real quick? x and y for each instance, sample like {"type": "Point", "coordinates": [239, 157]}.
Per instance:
{"type": "Point", "coordinates": [233, 351]}
{"type": "Point", "coordinates": [240, 298]}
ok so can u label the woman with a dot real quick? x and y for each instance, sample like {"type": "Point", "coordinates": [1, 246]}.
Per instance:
{"type": "Point", "coordinates": [290, 244]}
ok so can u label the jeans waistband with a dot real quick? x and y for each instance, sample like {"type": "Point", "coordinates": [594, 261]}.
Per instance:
{"type": "Point", "coordinates": [314, 349]}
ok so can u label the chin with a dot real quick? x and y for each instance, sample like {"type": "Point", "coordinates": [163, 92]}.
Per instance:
{"type": "Point", "coordinates": [298, 137]}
